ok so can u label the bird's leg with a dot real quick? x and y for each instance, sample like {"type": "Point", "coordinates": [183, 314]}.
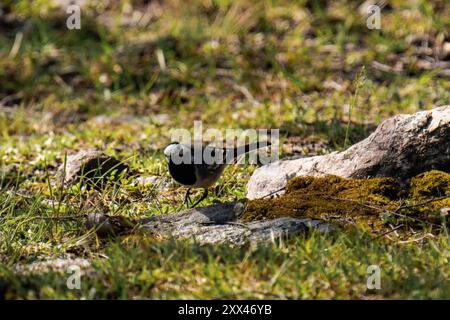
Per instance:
{"type": "Point", "coordinates": [186, 197]}
{"type": "Point", "coordinates": [203, 197]}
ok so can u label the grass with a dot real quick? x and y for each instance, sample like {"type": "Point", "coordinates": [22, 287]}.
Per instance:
{"type": "Point", "coordinates": [126, 78]}
{"type": "Point", "coordinates": [313, 267]}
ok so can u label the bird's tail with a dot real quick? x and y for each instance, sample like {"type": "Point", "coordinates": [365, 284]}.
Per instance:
{"type": "Point", "coordinates": [233, 153]}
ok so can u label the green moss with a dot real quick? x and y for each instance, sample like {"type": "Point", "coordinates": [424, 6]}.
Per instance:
{"type": "Point", "coordinates": [350, 202]}
{"type": "Point", "coordinates": [430, 184]}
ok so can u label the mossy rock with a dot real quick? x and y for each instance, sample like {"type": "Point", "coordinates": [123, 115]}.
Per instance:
{"type": "Point", "coordinates": [354, 202]}
{"type": "Point", "coordinates": [385, 188]}
{"type": "Point", "coordinates": [431, 184]}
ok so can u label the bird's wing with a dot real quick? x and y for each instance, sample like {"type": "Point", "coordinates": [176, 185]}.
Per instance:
{"type": "Point", "coordinates": [233, 153]}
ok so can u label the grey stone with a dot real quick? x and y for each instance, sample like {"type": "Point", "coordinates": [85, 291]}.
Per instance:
{"type": "Point", "coordinates": [220, 223]}
{"type": "Point", "coordinates": [106, 225]}
{"type": "Point", "coordinates": [160, 183]}
{"type": "Point", "coordinates": [91, 164]}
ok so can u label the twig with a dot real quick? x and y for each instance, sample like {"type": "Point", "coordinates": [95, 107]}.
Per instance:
{"type": "Point", "coordinates": [420, 203]}
{"type": "Point", "coordinates": [273, 192]}
{"type": "Point", "coordinates": [415, 240]}
{"type": "Point", "coordinates": [385, 68]}
{"type": "Point", "coordinates": [384, 210]}
{"type": "Point", "coordinates": [385, 233]}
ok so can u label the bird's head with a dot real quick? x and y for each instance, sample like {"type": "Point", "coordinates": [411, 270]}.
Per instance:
{"type": "Point", "coordinates": [175, 149]}
{"type": "Point", "coordinates": [172, 148]}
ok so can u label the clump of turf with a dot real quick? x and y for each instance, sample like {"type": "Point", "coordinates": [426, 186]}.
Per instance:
{"type": "Point", "coordinates": [357, 202]}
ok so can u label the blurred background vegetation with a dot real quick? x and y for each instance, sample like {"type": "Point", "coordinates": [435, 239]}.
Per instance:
{"type": "Point", "coordinates": [240, 63]}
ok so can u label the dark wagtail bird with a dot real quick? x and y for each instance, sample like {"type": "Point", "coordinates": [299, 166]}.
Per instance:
{"type": "Point", "coordinates": [200, 166]}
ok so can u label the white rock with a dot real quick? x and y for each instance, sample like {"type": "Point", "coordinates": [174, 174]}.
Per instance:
{"type": "Point", "coordinates": [401, 147]}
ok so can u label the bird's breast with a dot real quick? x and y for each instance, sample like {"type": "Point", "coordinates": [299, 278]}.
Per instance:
{"type": "Point", "coordinates": [183, 173]}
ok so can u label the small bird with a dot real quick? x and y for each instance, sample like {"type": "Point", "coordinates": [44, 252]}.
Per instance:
{"type": "Point", "coordinates": [202, 168]}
